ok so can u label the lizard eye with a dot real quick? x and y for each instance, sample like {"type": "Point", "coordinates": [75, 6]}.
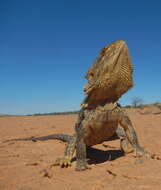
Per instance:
{"type": "Point", "coordinates": [90, 76]}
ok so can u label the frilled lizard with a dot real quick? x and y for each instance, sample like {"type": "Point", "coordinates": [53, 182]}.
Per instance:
{"type": "Point", "coordinates": [108, 78]}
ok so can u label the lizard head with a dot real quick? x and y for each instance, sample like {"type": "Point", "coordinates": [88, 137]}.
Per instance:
{"type": "Point", "coordinates": [111, 74]}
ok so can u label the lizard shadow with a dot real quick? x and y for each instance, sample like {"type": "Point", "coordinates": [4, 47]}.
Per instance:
{"type": "Point", "coordinates": [97, 156]}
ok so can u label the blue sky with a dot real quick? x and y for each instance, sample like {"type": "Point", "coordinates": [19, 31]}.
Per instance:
{"type": "Point", "coordinates": [46, 47]}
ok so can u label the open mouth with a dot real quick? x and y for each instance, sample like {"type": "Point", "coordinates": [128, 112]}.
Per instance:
{"type": "Point", "coordinates": [88, 88]}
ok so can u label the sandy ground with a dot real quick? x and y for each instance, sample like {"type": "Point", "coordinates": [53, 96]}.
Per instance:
{"type": "Point", "coordinates": [27, 165]}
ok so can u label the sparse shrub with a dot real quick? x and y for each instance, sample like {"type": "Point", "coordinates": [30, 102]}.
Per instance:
{"type": "Point", "coordinates": [56, 113]}
{"type": "Point", "coordinates": [159, 106]}
{"type": "Point", "coordinates": [127, 106]}
{"type": "Point", "coordinates": [137, 102]}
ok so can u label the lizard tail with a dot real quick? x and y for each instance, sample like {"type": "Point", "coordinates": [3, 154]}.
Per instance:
{"type": "Point", "coordinates": [62, 137]}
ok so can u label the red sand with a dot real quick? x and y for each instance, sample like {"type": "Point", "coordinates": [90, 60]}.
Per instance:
{"type": "Point", "coordinates": [27, 165]}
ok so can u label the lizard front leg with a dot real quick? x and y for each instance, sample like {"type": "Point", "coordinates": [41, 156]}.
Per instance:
{"type": "Point", "coordinates": [131, 135]}
{"type": "Point", "coordinates": [68, 154]}
{"type": "Point", "coordinates": [125, 145]}
{"type": "Point", "coordinates": [81, 162]}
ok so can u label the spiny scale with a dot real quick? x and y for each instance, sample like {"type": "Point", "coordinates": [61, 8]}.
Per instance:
{"type": "Point", "coordinates": [112, 73]}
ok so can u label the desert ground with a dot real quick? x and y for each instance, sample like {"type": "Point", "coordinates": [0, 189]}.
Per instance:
{"type": "Point", "coordinates": [27, 165]}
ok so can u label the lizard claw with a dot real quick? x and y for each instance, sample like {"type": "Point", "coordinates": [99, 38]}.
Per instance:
{"type": "Point", "coordinates": [63, 162]}
{"type": "Point", "coordinates": [155, 157]}
{"type": "Point", "coordinates": [142, 153]}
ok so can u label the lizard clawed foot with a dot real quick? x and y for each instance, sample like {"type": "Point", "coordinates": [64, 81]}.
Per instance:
{"type": "Point", "coordinates": [155, 157]}
{"type": "Point", "coordinates": [141, 153]}
{"type": "Point", "coordinates": [63, 162]}
{"type": "Point", "coordinates": [81, 166]}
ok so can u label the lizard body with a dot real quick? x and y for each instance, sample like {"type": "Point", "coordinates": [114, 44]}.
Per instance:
{"type": "Point", "coordinates": [100, 116]}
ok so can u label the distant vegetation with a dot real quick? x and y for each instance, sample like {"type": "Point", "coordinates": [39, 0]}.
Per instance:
{"type": "Point", "coordinates": [55, 113]}
{"type": "Point", "coordinates": [7, 115]}
{"type": "Point", "coordinates": [3, 115]}
{"type": "Point", "coordinates": [157, 104]}
{"type": "Point", "coordinates": [136, 103]}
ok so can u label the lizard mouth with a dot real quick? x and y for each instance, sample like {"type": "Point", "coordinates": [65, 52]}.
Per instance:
{"type": "Point", "coordinates": [87, 88]}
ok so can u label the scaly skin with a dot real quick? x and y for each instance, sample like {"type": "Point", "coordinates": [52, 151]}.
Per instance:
{"type": "Point", "coordinates": [94, 127]}
{"type": "Point", "coordinates": [97, 126]}
{"type": "Point", "coordinates": [108, 78]}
